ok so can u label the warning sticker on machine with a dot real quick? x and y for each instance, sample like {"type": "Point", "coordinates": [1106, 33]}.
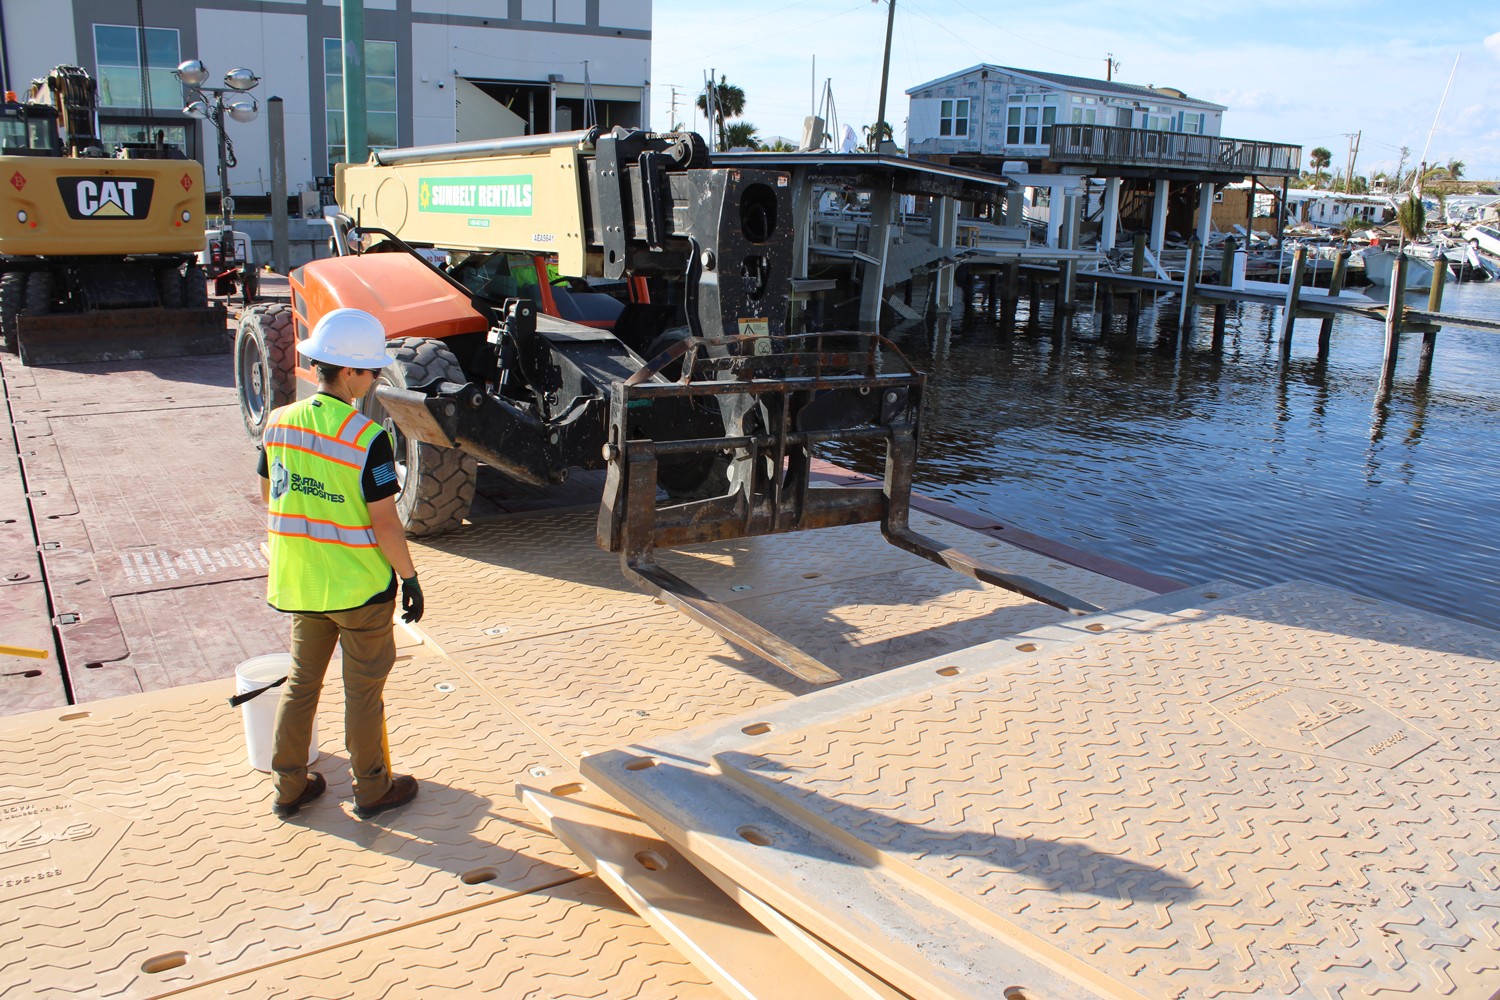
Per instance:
{"type": "Point", "coordinates": [476, 195]}
{"type": "Point", "coordinates": [757, 326]}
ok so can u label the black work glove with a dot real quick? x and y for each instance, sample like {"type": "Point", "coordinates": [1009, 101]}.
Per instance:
{"type": "Point", "coordinates": [411, 600]}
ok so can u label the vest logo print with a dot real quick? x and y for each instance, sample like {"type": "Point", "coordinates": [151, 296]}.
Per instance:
{"type": "Point", "coordinates": [106, 197]}
{"type": "Point", "coordinates": [280, 480]}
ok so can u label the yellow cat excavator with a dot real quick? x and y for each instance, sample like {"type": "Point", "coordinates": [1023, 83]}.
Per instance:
{"type": "Point", "coordinates": [97, 252]}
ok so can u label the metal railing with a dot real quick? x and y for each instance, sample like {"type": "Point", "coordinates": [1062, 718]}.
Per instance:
{"type": "Point", "coordinates": [1153, 148]}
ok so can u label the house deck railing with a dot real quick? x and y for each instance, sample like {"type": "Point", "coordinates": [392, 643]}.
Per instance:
{"type": "Point", "coordinates": [1152, 148]}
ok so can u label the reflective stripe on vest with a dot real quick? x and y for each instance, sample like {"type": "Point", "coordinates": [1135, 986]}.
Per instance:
{"type": "Point", "coordinates": [324, 554]}
{"type": "Point", "coordinates": [316, 444]}
{"type": "Point", "coordinates": [297, 526]}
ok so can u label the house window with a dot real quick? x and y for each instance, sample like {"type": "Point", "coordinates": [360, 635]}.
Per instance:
{"type": "Point", "coordinates": [1158, 121]}
{"type": "Point", "coordinates": [117, 58]}
{"type": "Point", "coordinates": [380, 96]}
{"type": "Point", "coordinates": [1192, 123]}
{"type": "Point", "coordinates": [1029, 119]}
{"type": "Point", "coordinates": [1084, 111]}
{"type": "Point", "coordinates": [953, 117]}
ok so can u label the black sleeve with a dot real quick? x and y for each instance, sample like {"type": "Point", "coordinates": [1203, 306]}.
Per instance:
{"type": "Point", "coordinates": [261, 466]}
{"type": "Point", "coordinates": [378, 481]}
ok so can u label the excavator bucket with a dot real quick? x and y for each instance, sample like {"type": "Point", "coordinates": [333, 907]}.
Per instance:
{"type": "Point", "coordinates": [122, 335]}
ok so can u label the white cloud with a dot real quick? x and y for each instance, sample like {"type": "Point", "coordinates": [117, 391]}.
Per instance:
{"type": "Point", "coordinates": [1492, 42]}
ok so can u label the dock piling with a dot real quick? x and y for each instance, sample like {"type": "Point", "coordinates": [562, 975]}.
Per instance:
{"type": "Point", "coordinates": [1335, 286]}
{"type": "Point", "coordinates": [1189, 288]}
{"type": "Point", "coordinates": [1293, 297]}
{"type": "Point", "coordinates": [1394, 315]}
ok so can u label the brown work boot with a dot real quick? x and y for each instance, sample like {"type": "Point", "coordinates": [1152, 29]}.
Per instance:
{"type": "Point", "coordinates": [315, 786]}
{"type": "Point", "coordinates": [403, 789]}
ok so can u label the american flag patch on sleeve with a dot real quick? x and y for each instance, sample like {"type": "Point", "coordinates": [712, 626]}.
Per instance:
{"type": "Point", "coordinates": [384, 473]}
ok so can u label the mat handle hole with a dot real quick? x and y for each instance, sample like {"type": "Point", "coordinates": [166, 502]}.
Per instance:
{"type": "Point", "coordinates": [164, 963]}
{"type": "Point", "coordinates": [1210, 596]}
{"type": "Point", "coordinates": [811, 576]}
{"type": "Point", "coordinates": [754, 835]}
{"type": "Point", "coordinates": [1018, 993]}
{"type": "Point", "coordinates": [1027, 647]}
{"type": "Point", "coordinates": [479, 875]}
{"type": "Point", "coordinates": [651, 861]}
{"type": "Point", "coordinates": [75, 716]}
{"type": "Point", "coordinates": [757, 729]}
{"type": "Point", "coordinates": [641, 764]}
{"type": "Point", "coordinates": [949, 671]}
{"type": "Point", "coordinates": [571, 788]}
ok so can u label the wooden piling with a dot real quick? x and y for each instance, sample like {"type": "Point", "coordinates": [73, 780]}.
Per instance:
{"type": "Point", "coordinates": [1226, 261]}
{"type": "Point", "coordinates": [1011, 297]}
{"type": "Point", "coordinates": [1293, 297]}
{"type": "Point", "coordinates": [1434, 305]}
{"type": "Point", "coordinates": [1189, 288]}
{"type": "Point", "coordinates": [1138, 255]}
{"type": "Point", "coordinates": [1335, 286]}
{"type": "Point", "coordinates": [1394, 317]}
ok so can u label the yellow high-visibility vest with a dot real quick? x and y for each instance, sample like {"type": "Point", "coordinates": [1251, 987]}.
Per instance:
{"type": "Point", "coordinates": [324, 556]}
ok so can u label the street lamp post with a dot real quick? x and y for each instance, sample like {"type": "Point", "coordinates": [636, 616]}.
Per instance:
{"type": "Point", "coordinates": [212, 104]}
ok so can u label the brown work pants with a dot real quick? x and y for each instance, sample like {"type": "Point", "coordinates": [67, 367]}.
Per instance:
{"type": "Point", "coordinates": [365, 635]}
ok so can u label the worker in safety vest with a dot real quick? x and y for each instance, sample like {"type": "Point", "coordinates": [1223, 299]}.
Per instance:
{"type": "Point", "coordinates": [337, 546]}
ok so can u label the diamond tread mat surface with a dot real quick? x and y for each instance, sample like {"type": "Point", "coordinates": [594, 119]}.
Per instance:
{"type": "Point", "coordinates": [132, 830]}
{"type": "Point", "coordinates": [591, 664]}
{"type": "Point", "coordinates": [1287, 792]}
{"type": "Point", "coordinates": [573, 942]}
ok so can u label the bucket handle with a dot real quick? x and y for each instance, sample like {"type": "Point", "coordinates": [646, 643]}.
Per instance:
{"type": "Point", "coordinates": [240, 699]}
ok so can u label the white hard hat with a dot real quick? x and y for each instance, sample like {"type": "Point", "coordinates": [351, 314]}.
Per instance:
{"type": "Point", "coordinates": [350, 338]}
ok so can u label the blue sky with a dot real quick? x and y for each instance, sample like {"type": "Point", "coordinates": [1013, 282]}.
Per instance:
{"type": "Point", "coordinates": [1302, 72]}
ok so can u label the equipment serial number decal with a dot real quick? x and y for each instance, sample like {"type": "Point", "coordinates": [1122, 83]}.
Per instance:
{"type": "Point", "coordinates": [479, 223]}
{"type": "Point", "coordinates": [543, 238]}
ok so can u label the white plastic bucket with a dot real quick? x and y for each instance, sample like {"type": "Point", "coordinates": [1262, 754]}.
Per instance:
{"type": "Point", "coordinates": [259, 713]}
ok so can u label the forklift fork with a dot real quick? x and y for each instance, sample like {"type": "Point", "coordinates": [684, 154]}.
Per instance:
{"type": "Point", "coordinates": [861, 405]}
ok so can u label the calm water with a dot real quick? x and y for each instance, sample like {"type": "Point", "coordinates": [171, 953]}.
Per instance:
{"type": "Point", "coordinates": [1231, 464]}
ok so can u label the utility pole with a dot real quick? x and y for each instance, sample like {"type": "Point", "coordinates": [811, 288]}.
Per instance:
{"type": "Point", "coordinates": [1354, 156]}
{"type": "Point", "coordinates": [672, 115]}
{"type": "Point", "coordinates": [885, 76]}
{"type": "Point", "coordinates": [1110, 65]}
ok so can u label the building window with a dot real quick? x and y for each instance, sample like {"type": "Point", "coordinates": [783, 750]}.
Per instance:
{"type": "Point", "coordinates": [953, 118]}
{"type": "Point", "coordinates": [1192, 123]}
{"type": "Point", "coordinates": [117, 58]}
{"type": "Point", "coordinates": [1157, 120]}
{"type": "Point", "coordinates": [380, 96]}
{"type": "Point", "coordinates": [114, 135]}
{"type": "Point", "coordinates": [1029, 119]}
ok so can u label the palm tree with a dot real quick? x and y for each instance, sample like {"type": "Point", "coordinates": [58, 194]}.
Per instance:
{"type": "Point", "coordinates": [1455, 169]}
{"type": "Point", "coordinates": [740, 134]}
{"type": "Point", "coordinates": [1320, 157]}
{"type": "Point", "coordinates": [729, 102]}
{"type": "Point", "coordinates": [1412, 217]}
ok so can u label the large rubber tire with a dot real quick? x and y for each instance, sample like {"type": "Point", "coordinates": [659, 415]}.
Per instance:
{"type": "Point", "coordinates": [169, 287]}
{"type": "Point", "coordinates": [194, 287]}
{"type": "Point", "coordinates": [12, 300]}
{"type": "Point", "coordinates": [39, 293]}
{"type": "Point", "coordinates": [693, 477]}
{"type": "Point", "coordinates": [437, 484]}
{"type": "Point", "coordinates": [265, 359]}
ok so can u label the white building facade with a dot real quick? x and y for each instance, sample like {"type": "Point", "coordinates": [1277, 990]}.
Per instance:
{"type": "Point", "coordinates": [991, 110]}
{"type": "Point", "coordinates": [436, 70]}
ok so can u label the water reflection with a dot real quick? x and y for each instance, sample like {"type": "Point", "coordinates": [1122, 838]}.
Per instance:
{"type": "Point", "coordinates": [1205, 456]}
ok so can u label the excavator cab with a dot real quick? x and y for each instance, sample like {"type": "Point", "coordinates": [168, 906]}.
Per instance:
{"type": "Point", "coordinates": [28, 129]}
